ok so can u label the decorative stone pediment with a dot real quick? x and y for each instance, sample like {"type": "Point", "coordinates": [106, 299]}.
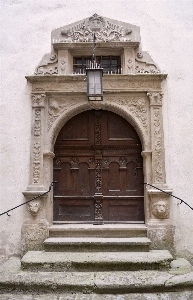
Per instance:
{"type": "Point", "coordinates": [105, 30]}
{"type": "Point", "coordinates": [112, 38]}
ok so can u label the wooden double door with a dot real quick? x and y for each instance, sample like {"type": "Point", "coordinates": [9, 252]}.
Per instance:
{"type": "Point", "coordinates": [99, 170]}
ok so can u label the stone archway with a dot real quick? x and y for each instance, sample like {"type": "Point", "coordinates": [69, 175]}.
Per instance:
{"type": "Point", "coordinates": [136, 95]}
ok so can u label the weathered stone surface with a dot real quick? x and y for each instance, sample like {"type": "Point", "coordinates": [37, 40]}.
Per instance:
{"type": "Point", "coordinates": [162, 237]}
{"type": "Point", "coordinates": [95, 261]}
{"type": "Point", "coordinates": [78, 244]}
{"type": "Point", "coordinates": [33, 234]}
{"type": "Point", "coordinates": [105, 230]}
{"type": "Point", "coordinates": [34, 284]}
{"type": "Point", "coordinates": [180, 266]}
{"type": "Point", "coordinates": [72, 296]}
{"type": "Point", "coordinates": [181, 280]}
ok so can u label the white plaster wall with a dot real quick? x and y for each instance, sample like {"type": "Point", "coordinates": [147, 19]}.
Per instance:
{"type": "Point", "coordinates": [166, 32]}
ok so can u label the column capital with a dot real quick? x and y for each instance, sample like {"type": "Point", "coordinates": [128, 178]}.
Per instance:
{"type": "Point", "coordinates": [155, 98]}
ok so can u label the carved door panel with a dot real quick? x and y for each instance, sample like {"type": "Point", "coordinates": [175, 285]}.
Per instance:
{"type": "Point", "coordinates": [98, 169]}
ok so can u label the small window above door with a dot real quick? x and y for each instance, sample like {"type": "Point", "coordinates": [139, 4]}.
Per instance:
{"type": "Point", "coordinates": [110, 64]}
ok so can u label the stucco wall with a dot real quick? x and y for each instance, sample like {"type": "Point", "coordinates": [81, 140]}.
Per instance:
{"type": "Point", "coordinates": [25, 37]}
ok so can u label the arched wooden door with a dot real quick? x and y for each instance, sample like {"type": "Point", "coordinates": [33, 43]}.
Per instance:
{"type": "Point", "coordinates": [99, 171]}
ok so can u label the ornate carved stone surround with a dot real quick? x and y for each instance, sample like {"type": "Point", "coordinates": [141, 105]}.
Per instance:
{"type": "Point", "coordinates": [136, 94]}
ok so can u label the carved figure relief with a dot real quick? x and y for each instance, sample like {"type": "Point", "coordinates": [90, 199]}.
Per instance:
{"type": "Point", "coordinates": [63, 64]}
{"type": "Point", "coordinates": [34, 207]}
{"type": "Point", "coordinates": [160, 209]}
{"type": "Point", "coordinates": [122, 161]}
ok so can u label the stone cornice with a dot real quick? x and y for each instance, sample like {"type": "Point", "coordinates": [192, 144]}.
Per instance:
{"type": "Point", "coordinates": [89, 46]}
{"type": "Point", "coordinates": [76, 84]}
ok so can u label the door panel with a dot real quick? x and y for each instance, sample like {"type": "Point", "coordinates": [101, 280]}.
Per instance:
{"type": "Point", "coordinates": [98, 169]}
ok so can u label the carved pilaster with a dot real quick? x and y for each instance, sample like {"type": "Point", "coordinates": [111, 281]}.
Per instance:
{"type": "Point", "coordinates": [129, 61]}
{"type": "Point", "coordinates": [37, 154]}
{"type": "Point", "coordinates": [158, 161]}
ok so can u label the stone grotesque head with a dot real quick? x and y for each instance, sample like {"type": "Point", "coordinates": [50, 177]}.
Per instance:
{"type": "Point", "coordinates": [160, 209]}
{"type": "Point", "coordinates": [34, 207]}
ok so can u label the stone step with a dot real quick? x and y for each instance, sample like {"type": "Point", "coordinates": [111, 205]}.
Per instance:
{"type": "Point", "coordinates": [96, 261]}
{"type": "Point", "coordinates": [91, 244]}
{"type": "Point", "coordinates": [92, 285]}
{"type": "Point", "coordinates": [105, 230]}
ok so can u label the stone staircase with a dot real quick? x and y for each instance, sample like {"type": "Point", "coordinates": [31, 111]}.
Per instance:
{"type": "Point", "coordinates": [85, 261]}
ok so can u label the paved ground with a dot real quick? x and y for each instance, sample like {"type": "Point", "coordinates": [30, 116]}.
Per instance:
{"type": "Point", "coordinates": [156, 296]}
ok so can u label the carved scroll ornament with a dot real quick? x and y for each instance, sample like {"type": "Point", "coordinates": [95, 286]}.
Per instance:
{"type": "Point", "coordinates": [105, 31]}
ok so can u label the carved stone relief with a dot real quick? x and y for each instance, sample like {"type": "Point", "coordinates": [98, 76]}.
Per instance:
{"type": "Point", "coordinates": [56, 107]}
{"type": "Point", "coordinates": [48, 65]}
{"type": "Point", "coordinates": [140, 84]}
{"type": "Point", "coordinates": [136, 106]}
{"type": "Point", "coordinates": [159, 176]}
{"type": "Point", "coordinates": [38, 100]}
{"type": "Point", "coordinates": [160, 209]}
{"type": "Point", "coordinates": [37, 147]}
{"type": "Point", "coordinates": [155, 98]}
{"type": "Point", "coordinates": [34, 207]}
{"type": "Point", "coordinates": [105, 31]}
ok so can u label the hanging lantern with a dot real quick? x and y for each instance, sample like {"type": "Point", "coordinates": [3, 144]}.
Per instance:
{"type": "Point", "coordinates": [94, 83]}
